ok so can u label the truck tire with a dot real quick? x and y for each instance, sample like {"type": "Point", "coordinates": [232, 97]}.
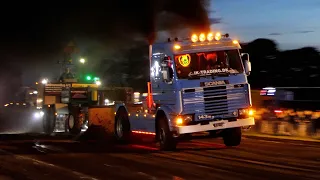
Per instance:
{"type": "Point", "coordinates": [74, 122]}
{"type": "Point", "coordinates": [166, 139]}
{"type": "Point", "coordinates": [122, 127]}
{"type": "Point", "coordinates": [232, 136]}
{"type": "Point", "coordinates": [49, 119]}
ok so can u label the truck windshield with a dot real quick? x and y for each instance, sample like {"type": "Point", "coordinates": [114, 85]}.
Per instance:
{"type": "Point", "coordinates": [213, 63]}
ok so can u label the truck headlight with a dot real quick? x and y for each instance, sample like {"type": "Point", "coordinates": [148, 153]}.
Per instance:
{"type": "Point", "coordinates": [183, 119]}
{"type": "Point", "coordinates": [246, 112]}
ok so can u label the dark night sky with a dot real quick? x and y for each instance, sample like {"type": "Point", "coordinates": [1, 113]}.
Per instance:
{"type": "Point", "coordinates": [33, 35]}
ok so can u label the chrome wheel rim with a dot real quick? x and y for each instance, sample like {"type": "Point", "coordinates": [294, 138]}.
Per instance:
{"type": "Point", "coordinates": [162, 136]}
{"type": "Point", "coordinates": [119, 128]}
{"type": "Point", "coordinates": [71, 121]}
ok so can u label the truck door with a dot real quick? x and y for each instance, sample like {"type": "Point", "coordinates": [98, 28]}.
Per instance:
{"type": "Point", "coordinates": [166, 83]}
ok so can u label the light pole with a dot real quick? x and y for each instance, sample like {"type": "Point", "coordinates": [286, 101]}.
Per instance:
{"type": "Point", "coordinates": [81, 68]}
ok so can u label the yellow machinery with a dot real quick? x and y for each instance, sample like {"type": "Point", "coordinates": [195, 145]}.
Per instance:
{"type": "Point", "coordinates": [66, 105]}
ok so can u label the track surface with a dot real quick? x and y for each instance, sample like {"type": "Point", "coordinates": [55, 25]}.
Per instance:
{"type": "Point", "coordinates": [23, 157]}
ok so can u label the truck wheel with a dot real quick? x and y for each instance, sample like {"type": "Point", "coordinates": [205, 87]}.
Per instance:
{"type": "Point", "coordinates": [74, 122]}
{"type": "Point", "coordinates": [232, 136]}
{"type": "Point", "coordinates": [122, 126]}
{"type": "Point", "coordinates": [166, 140]}
{"type": "Point", "coordinates": [49, 119]}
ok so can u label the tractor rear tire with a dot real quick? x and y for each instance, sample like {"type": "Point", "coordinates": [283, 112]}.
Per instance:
{"type": "Point", "coordinates": [49, 119]}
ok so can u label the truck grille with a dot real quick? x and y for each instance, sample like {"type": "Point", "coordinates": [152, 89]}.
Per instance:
{"type": "Point", "coordinates": [219, 101]}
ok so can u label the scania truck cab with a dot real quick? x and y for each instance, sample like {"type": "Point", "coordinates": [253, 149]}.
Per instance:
{"type": "Point", "coordinates": [198, 84]}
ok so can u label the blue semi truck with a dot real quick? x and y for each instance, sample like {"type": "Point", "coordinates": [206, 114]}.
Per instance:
{"type": "Point", "coordinates": [197, 84]}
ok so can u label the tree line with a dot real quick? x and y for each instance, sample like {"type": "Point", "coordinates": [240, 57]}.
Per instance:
{"type": "Point", "coordinates": [289, 68]}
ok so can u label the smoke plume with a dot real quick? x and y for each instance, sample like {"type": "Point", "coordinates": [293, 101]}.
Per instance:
{"type": "Point", "coordinates": [116, 19]}
{"type": "Point", "coordinates": [37, 30]}
{"type": "Point", "coordinates": [101, 28]}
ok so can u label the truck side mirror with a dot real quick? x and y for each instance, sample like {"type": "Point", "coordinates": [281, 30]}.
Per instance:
{"type": "Point", "coordinates": [246, 63]}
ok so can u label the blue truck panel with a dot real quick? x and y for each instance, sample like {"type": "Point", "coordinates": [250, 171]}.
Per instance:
{"type": "Point", "coordinates": [186, 81]}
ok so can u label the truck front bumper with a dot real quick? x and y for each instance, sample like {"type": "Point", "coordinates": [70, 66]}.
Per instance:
{"type": "Point", "coordinates": [214, 125]}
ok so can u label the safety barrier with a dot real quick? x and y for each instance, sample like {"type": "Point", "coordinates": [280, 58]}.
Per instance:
{"type": "Point", "coordinates": [287, 123]}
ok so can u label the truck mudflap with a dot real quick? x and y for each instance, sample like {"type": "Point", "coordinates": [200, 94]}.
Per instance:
{"type": "Point", "coordinates": [102, 117]}
{"type": "Point", "coordinates": [215, 125]}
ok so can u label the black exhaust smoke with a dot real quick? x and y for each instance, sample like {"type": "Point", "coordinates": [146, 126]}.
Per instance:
{"type": "Point", "coordinates": [116, 19]}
